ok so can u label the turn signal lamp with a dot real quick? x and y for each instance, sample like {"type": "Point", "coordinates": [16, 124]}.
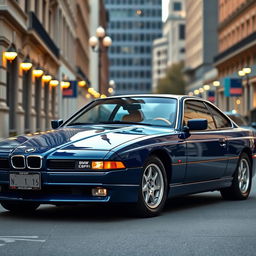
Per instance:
{"type": "Point", "coordinates": [107, 165]}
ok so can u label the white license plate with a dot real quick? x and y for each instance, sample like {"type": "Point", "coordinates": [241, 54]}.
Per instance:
{"type": "Point", "coordinates": [25, 180]}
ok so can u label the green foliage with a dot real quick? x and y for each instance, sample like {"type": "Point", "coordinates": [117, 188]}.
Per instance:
{"type": "Point", "coordinates": [173, 82]}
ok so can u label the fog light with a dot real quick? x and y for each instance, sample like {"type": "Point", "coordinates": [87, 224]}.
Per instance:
{"type": "Point", "coordinates": [99, 192]}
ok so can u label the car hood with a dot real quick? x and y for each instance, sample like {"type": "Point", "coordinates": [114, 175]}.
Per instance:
{"type": "Point", "coordinates": [87, 138]}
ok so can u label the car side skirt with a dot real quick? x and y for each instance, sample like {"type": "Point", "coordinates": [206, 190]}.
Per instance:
{"type": "Point", "coordinates": [179, 189]}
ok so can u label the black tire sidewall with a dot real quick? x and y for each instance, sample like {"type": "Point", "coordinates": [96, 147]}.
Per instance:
{"type": "Point", "coordinates": [143, 208]}
{"type": "Point", "coordinates": [236, 182]}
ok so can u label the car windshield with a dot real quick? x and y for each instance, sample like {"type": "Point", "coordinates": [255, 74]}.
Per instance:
{"type": "Point", "coordinates": [131, 110]}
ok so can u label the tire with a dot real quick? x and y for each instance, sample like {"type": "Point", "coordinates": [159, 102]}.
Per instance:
{"type": "Point", "coordinates": [19, 207]}
{"type": "Point", "coordinates": [242, 181]}
{"type": "Point", "coordinates": [153, 188]}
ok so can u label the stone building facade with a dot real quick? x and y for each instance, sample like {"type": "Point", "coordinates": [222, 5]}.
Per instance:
{"type": "Point", "coordinates": [237, 50]}
{"type": "Point", "coordinates": [53, 36]}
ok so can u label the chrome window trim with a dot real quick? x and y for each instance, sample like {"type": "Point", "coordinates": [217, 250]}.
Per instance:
{"type": "Point", "coordinates": [202, 100]}
{"type": "Point", "coordinates": [41, 162]}
{"type": "Point", "coordinates": [24, 161]}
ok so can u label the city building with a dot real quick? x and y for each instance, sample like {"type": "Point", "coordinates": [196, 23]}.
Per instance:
{"type": "Point", "coordinates": [201, 46]}
{"type": "Point", "coordinates": [83, 11]}
{"type": "Point", "coordinates": [237, 52]}
{"type": "Point", "coordinates": [99, 61]}
{"type": "Point", "coordinates": [174, 30]}
{"type": "Point", "coordinates": [27, 101]}
{"type": "Point", "coordinates": [45, 62]}
{"type": "Point", "coordinates": [159, 60]}
{"type": "Point", "coordinates": [133, 25]}
{"type": "Point", "coordinates": [170, 48]}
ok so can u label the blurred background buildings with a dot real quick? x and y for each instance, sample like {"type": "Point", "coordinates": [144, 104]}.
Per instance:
{"type": "Point", "coordinates": [133, 25]}
{"type": "Point", "coordinates": [56, 55]}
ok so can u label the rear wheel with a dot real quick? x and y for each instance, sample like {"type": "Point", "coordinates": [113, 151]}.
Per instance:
{"type": "Point", "coordinates": [153, 188]}
{"type": "Point", "coordinates": [242, 181]}
{"type": "Point", "coordinates": [19, 207]}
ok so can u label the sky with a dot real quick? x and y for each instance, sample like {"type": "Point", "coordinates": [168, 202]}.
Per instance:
{"type": "Point", "coordinates": [164, 9]}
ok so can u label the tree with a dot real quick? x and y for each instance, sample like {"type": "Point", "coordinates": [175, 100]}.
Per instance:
{"type": "Point", "coordinates": [173, 82]}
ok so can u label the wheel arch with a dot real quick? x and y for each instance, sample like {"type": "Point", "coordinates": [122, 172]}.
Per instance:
{"type": "Point", "coordinates": [165, 159]}
{"type": "Point", "coordinates": [248, 152]}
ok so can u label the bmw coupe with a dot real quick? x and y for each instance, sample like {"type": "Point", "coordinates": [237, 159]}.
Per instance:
{"type": "Point", "coordinates": [138, 149]}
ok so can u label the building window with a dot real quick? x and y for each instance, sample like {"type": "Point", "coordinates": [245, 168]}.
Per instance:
{"type": "Point", "coordinates": [181, 31]}
{"type": "Point", "coordinates": [177, 6]}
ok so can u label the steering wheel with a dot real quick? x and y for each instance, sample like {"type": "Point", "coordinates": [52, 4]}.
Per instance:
{"type": "Point", "coordinates": [163, 119]}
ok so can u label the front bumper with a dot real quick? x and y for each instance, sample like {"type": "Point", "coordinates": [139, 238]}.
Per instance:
{"type": "Point", "coordinates": [75, 187]}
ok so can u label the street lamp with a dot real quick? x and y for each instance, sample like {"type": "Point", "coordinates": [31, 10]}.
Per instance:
{"type": "Point", "coordinates": [245, 73]}
{"type": "Point", "coordinates": [11, 53]}
{"type": "Point", "coordinates": [112, 86]}
{"type": "Point", "coordinates": [26, 65]}
{"type": "Point", "coordinates": [100, 43]}
{"type": "Point", "coordinates": [54, 83]}
{"type": "Point", "coordinates": [46, 78]}
{"type": "Point", "coordinates": [206, 87]}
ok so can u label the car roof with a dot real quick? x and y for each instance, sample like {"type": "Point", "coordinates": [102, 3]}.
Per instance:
{"type": "Point", "coordinates": [154, 95]}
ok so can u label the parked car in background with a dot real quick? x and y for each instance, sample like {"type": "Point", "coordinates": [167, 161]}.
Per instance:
{"type": "Point", "coordinates": [240, 120]}
{"type": "Point", "coordinates": [138, 149]}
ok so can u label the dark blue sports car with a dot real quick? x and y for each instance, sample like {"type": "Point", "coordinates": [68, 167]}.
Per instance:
{"type": "Point", "coordinates": [137, 149]}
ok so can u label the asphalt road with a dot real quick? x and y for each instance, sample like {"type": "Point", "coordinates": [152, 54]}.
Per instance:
{"type": "Point", "coordinates": [202, 224]}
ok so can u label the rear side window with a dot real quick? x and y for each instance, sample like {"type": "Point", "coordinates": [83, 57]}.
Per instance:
{"type": "Point", "coordinates": [197, 110]}
{"type": "Point", "coordinates": [220, 120]}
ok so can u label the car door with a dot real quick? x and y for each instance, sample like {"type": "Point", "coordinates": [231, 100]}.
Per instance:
{"type": "Point", "coordinates": [206, 150]}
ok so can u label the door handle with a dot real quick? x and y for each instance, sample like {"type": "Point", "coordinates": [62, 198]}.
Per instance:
{"type": "Point", "coordinates": [222, 142]}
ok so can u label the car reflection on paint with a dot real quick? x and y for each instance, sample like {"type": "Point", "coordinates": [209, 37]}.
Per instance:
{"type": "Point", "coordinates": [138, 150]}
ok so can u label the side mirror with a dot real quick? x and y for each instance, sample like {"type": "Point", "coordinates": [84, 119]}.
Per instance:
{"type": "Point", "coordinates": [197, 124]}
{"type": "Point", "coordinates": [56, 123]}
{"type": "Point", "coordinates": [253, 125]}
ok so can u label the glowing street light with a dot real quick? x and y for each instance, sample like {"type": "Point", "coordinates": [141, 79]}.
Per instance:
{"type": "Point", "coordinates": [37, 72]}
{"type": "Point", "coordinates": [46, 78]}
{"type": "Point", "coordinates": [11, 53]}
{"type": "Point", "coordinates": [54, 83]}
{"type": "Point", "coordinates": [26, 65]}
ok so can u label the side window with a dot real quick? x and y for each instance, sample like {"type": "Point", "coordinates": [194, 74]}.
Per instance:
{"type": "Point", "coordinates": [197, 110]}
{"type": "Point", "coordinates": [220, 120]}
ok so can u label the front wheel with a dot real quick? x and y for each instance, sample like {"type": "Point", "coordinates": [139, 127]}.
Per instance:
{"type": "Point", "coordinates": [153, 188]}
{"type": "Point", "coordinates": [242, 181]}
{"type": "Point", "coordinates": [19, 207]}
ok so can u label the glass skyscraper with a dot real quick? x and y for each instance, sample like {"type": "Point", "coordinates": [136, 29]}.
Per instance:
{"type": "Point", "coordinates": [133, 25]}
